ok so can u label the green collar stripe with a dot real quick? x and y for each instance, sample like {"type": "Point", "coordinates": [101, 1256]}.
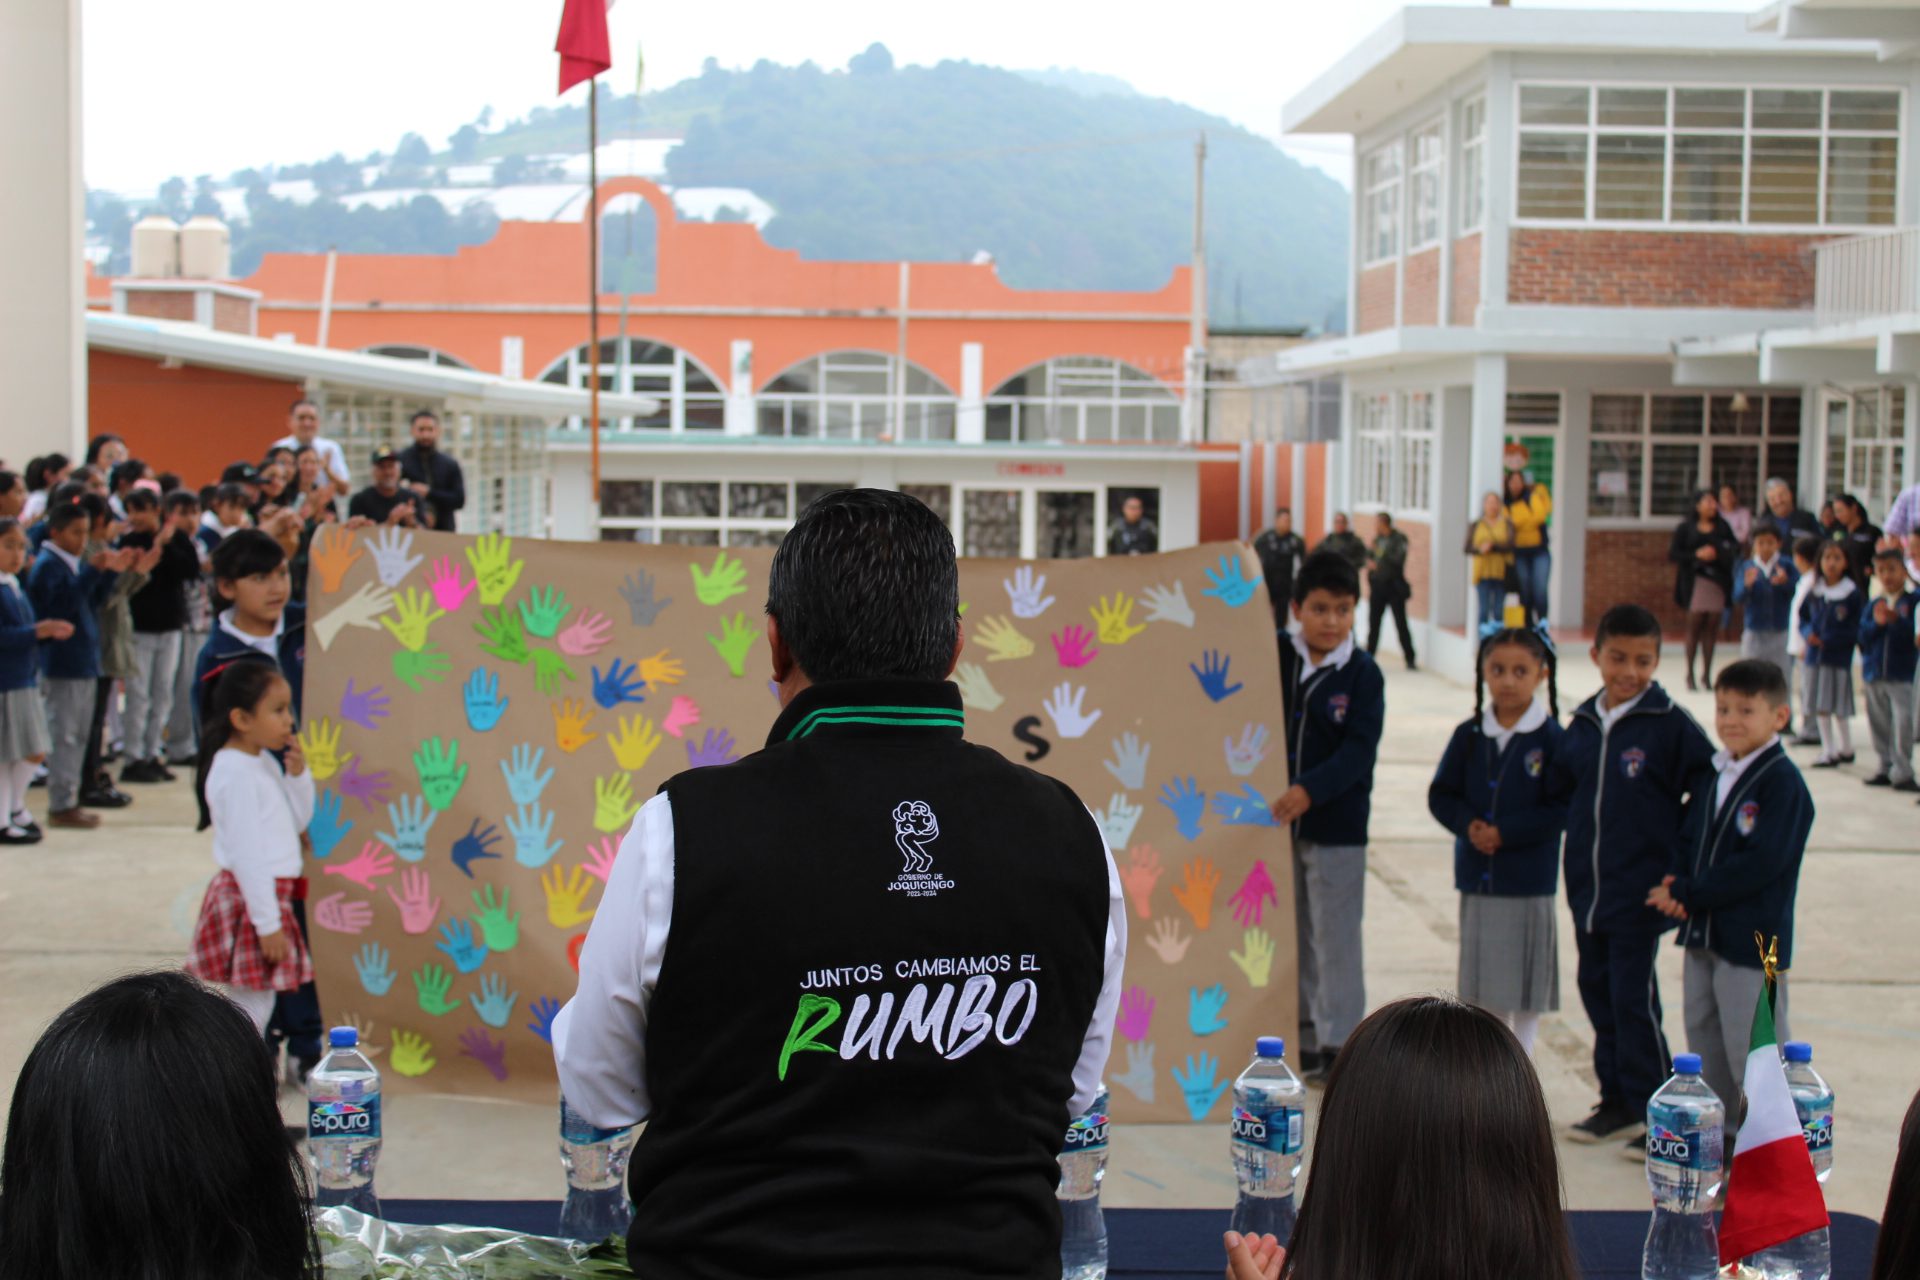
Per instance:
{"type": "Point", "coordinates": [930, 717]}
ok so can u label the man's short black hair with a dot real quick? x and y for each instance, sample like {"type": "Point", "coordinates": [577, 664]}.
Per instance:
{"type": "Point", "coordinates": [141, 500]}
{"type": "Point", "coordinates": [1282, 511]}
{"type": "Point", "coordinates": [1327, 571]}
{"type": "Point", "coordinates": [422, 413]}
{"type": "Point", "coordinates": [63, 514]}
{"type": "Point", "coordinates": [1386, 516]}
{"type": "Point", "coordinates": [168, 481]}
{"type": "Point", "coordinates": [8, 479]}
{"type": "Point", "coordinates": [1766, 529]}
{"type": "Point", "coordinates": [1628, 622]}
{"type": "Point", "coordinates": [230, 494]}
{"type": "Point", "coordinates": [244, 553]}
{"type": "Point", "coordinates": [1808, 549]}
{"type": "Point", "coordinates": [1753, 678]}
{"type": "Point", "coordinates": [181, 500]}
{"type": "Point", "coordinates": [303, 400]}
{"type": "Point", "coordinates": [865, 587]}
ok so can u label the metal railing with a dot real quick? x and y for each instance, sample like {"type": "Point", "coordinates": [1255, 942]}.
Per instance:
{"type": "Point", "coordinates": [1865, 276]}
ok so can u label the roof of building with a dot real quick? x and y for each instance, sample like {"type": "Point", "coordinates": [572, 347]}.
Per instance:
{"type": "Point", "coordinates": [1420, 48]}
{"type": "Point", "coordinates": [1893, 24]}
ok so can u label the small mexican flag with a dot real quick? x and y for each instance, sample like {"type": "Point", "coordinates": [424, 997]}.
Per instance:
{"type": "Point", "coordinates": [1772, 1194]}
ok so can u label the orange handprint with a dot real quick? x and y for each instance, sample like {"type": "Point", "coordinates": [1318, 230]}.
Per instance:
{"type": "Point", "coordinates": [1195, 893]}
{"type": "Point", "coordinates": [1139, 876]}
{"type": "Point", "coordinates": [333, 553]}
{"type": "Point", "coordinates": [570, 719]}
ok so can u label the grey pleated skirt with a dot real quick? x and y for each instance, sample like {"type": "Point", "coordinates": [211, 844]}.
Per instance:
{"type": "Point", "coordinates": [1510, 953]}
{"type": "Point", "coordinates": [23, 725]}
{"type": "Point", "coordinates": [1830, 691]}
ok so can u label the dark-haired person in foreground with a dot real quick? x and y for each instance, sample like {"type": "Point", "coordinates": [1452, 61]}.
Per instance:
{"type": "Point", "coordinates": [1896, 1255]}
{"type": "Point", "coordinates": [217, 1193]}
{"type": "Point", "coordinates": [895, 956]}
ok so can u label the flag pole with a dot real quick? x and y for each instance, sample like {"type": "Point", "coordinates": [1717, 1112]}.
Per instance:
{"type": "Point", "coordinates": [593, 277]}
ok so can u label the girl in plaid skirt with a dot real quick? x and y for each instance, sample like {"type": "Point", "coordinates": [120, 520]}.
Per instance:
{"type": "Point", "coordinates": [247, 939]}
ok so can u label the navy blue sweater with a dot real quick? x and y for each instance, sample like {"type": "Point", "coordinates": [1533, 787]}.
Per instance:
{"type": "Point", "coordinates": [224, 647]}
{"type": "Point", "coordinates": [1768, 602]}
{"type": "Point", "coordinates": [1629, 787]}
{"type": "Point", "coordinates": [1836, 622]}
{"type": "Point", "coordinates": [1334, 718]}
{"type": "Point", "coordinates": [1517, 791]}
{"type": "Point", "coordinates": [1741, 864]}
{"type": "Point", "coordinates": [57, 592]}
{"type": "Point", "coordinates": [19, 647]}
{"type": "Point", "coordinates": [1886, 649]}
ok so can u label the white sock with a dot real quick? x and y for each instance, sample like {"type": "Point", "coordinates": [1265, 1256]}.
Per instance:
{"type": "Point", "coordinates": [6, 791]}
{"type": "Point", "coordinates": [1526, 1026]}
{"type": "Point", "coordinates": [1842, 736]}
{"type": "Point", "coordinates": [1825, 724]}
{"type": "Point", "coordinates": [23, 771]}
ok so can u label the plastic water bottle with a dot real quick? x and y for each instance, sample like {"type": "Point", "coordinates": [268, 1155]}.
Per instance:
{"type": "Point", "coordinates": [1684, 1164]}
{"type": "Point", "coordinates": [1083, 1163]}
{"type": "Point", "coordinates": [343, 1124]}
{"type": "Point", "coordinates": [1269, 1130]}
{"type": "Point", "coordinates": [1809, 1256]}
{"type": "Point", "coordinates": [596, 1163]}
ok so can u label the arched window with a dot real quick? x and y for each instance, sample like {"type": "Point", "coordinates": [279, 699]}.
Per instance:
{"type": "Point", "coordinates": [407, 351]}
{"type": "Point", "coordinates": [690, 398]}
{"type": "Point", "coordinates": [1075, 398]}
{"type": "Point", "coordinates": [853, 395]}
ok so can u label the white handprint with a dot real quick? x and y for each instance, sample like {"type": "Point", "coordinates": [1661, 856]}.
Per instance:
{"type": "Point", "coordinates": [1119, 821]}
{"type": "Point", "coordinates": [1168, 606]}
{"type": "Point", "coordinates": [1024, 591]}
{"type": "Point", "coordinates": [1244, 757]}
{"type": "Point", "coordinates": [1063, 708]}
{"type": "Point", "coordinates": [1129, 763]}
{"type": "Point", "coordinates": [1138, 1076]}
{"type": "Point", "coordinates": [390, 559]}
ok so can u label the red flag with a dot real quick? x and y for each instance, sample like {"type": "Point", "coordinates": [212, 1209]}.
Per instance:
{"type": "Point", "coordinates": [583, 46]}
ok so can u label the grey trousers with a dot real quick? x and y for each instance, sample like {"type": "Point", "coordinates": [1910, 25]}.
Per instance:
{"type": "Point", "coordinates": [1770, 646]}
{"type": "Point", "coordinates": [69, 719]}
{"type": "Point", "coordinates": [1801, 682]}
{"type": "Point", "coordinates": [156, 666]}
{"type": "Point", "coordinates": [1329, 898]}
{"type": "Point", "coordinates": [1720, 998]}
{"type": "Point", "coordinates": [182, 747]}
{"type": "Point", "coordinates": [1890, 720]}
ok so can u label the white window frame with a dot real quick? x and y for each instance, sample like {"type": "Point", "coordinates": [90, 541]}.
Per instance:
{"type": "Point", "coordinates": [1413, 455]}
{"type": "Point", "coordinates": [574, 368]}
{"type": "Point", "coordinates": [1077, 385]}
{"type": "Point", "coordinates": [649, 529]}
{"type": "Point", "coordinates": [1382, 202]}
{"type": "Point", "coordinates": [1889, 441]}
{"type": "Point", "coordinates": [1425, 198]}
{"type": "Point", "coordinates": [1473, 165]}
{"type": "Point", "coordinates": [1743, 225]}
{"type": "Point", "coordinates": [1375, 415]}
{"type": "Point", "coordinates": [1764, 402]}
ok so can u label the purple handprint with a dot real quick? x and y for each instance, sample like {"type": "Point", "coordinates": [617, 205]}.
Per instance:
{"type": "Point", "coordinates": [715, 748]}
{"type": "Point", "coordinates": [365, 707]}
{"type": "Point", "coordinates": [1074, 647]}
{"type": "Point", "coordinates": [485, 1050]}
{"type": "Point", "coordinates": [1136, 1013]}
{"type": "Point", "coordinates": [1251, 898]}
{"type": "Point", "coordinates": [368, 788]}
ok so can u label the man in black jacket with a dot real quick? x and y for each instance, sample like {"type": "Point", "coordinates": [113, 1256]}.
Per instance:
{"type": "Point", "coordinates": [431, 474]}
{"type": "Point", "coordinates": [895, 956]}
{"type": "Point", "coordinates": [1280, 550]}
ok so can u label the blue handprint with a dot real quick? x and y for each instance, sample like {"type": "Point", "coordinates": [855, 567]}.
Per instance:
{"type": "Point", "coordinates": [618, 685]}
{"type": "Point", "coordinates": [374, 964]}
{"type": "Point", "coordinates": [1200, 1084]}
{"type": "Point", "coordinates": [1212, 675]}
{"type": "Point", "coordinates": [485, 706]}
{"type": "Point", "coordinates": [1189, 805]}
{"type": "Point", "coordinates": [411, 820]}
{"type": "Point", "coordinates": [1244, 808]}
{"type": "Point", "coordinates": [326, 830]}
{"type": "Point", "coordinates": [531, 826]}
{"type": "Point", "coordinates": [462, 945]}
{"type": "Point", "coordinates": [495, 1003]}
{"type": "Point", "coordinates": [544, 1010]}
{"type": "Point", "coordinates": [474, 846]}
{"type": "Point", "coordinates": [1230, 584]}
{"type": "Point", "coordinates": [1203, 1009]}
{"type": "Point", "coordinates": [525, 782]}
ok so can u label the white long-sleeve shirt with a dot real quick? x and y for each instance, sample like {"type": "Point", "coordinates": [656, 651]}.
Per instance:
{"type": "Point", "coordinates": [599, 1038]}
{"type": "Point", "coordinates": [258, 814]}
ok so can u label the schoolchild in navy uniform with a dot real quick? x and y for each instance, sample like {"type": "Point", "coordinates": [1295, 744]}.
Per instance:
{"type": "Point", "coordinates": [1737, 875]}
{"type": "Point", "coordinates": [1887, 661]}
{"type": "Point", "coordinates": [23, 719]}
{"type": "Point", "coordinates": [1830, 624]}
{"type": "Point", "coordinates": [1496, 791]}
{"type": "Point", "coordinates": [1335, 704]}
{"type": "Point", "coordinates": [1631, 758]}
{"type": "Point", "coordinates": [1763, 586]}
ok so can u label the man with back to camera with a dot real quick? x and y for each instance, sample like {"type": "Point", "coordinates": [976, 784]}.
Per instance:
{"type": "Point", "coordinates": [303, 429]}
{"type": "Point", "coordinates": [896, 955]}
{"type": "Point", "coordinates": [434, 477]}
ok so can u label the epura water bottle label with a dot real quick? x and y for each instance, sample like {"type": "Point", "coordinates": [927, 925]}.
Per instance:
{"type": "Point", "coordinates": [344, 1119]}
{"type": "Point", "coordinates": [1088, 1133]}
{"type": "Point", "coordinates": [1818, 1132]}
{"type": "Point", "coordinates": [1683, 1148]}
{"type": "Point", "coordinates": [1281, 1129]}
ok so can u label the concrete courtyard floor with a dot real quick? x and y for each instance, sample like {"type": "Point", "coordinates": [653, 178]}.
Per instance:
{"type": "Point", "coordinates": [78, 909]}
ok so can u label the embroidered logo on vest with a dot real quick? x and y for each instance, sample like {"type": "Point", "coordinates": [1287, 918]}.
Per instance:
{"type": "Point", "coordinates": [914, 828]}
{"type": "Point", "coordinates": [1632, 761]}
{"type": "Point", "coordinates": [1743, 821]}
{"type": "Point", "coordinates": [1337, 708]}
{"type": "Point", "coordinates": [1536, 761]}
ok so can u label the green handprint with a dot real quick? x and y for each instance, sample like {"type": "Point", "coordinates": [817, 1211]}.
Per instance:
{"type": "Point", "coordinates": [428, 664]}
{"type": "Point", "coordinates": [494, 569]}
{"type": "Point", "coordinates": [548, 668]}
{"type": "Point", "coordinates": [727, 579]}
{"type": "Point", "coordinates": [733, 643]}
{"type": "Point", "coordinates": [432, 984]}
{"type": "Point", "coordinates": [613, 802]}
{"type": "Point", "coordinates": [499, 930]}
{"type": "Point", "coordinates": [440, 770]}
{"type": "Point", "coordinates": [543, 612]}
{"type": "Point", "coordinates": [500, 630]}
{"type": "Point", "coordinates": [413, 612]}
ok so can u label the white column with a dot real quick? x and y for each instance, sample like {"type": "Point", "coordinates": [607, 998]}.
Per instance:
{"type": "Point", "coordinates": [513, 356]}
{"type": "Point", "coordinates": [1911, 426]}
{"type": "Point", "coordinates": [1567, 592]}
{"type": "Point", "coordinates": [739, 411]}
{"type": "Point", "coordinates": [1489, 423]}
{"type": "Point", "coordinates": [43, 344]}
{"type": "Point", "coordinates": [1456, 504]}
{"type": "Point", "coordinates": [970, 427]}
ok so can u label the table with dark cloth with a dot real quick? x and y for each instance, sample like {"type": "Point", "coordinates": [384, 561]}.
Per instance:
{"type": "Point", "coordinates": [1163, 1244]}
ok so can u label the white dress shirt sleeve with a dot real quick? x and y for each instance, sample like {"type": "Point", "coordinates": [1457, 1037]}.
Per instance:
{"type": "Point", "coordinates": [599, 1038]}
{"type": "Point", "coordinates": [1093, 1050]}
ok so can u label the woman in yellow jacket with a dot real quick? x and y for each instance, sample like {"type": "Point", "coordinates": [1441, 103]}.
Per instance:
{"type": "Point", "coordinates": [1490, 544]}
{"type": "Point", "coordinates": [1529, 506]}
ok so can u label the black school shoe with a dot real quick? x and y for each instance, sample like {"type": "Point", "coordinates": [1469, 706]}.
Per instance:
{"type": "Point", "coordinates": [23, 821]}
{"type": "Point", "coordinates": [142, 771]}
{"type": "Point", "coordinates": [19, 835]}
{"type": "Point", "coordinates": [1877, 780]}
{"type": "Point", "coordinates": [1907, 785]}
{"type": "Point", "coordinates": [1609, 1122]}
{"type": "Point", "coordinates": [105, 796]}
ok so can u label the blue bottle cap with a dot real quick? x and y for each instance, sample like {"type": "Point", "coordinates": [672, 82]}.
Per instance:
{"type": "Point", "coordinates": [1271, 1046]}
{"type": "Point", "coordinates": [1798, 1051]}
{"type": "Point", "coordinates": [343, 1038]}
{"type": "Point", "coordinates": [1686, 1064]}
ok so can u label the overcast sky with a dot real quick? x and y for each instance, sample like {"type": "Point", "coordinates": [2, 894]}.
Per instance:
{"type": "Point", "coordinates": [218, 85]}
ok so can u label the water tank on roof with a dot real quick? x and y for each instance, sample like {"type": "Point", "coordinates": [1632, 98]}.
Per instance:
{"type": "Point", "coordinates": [206, 248]}
{"type": "Point", "coordinates": [156, 247]}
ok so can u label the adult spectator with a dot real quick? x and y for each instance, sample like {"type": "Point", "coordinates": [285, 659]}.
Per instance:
{"type": "Point", "coordinates": [1738, 518]}
{"type": "Point", "coordinates": [303, 422]}
{"type": "Point", "coordinates": [314, 489]}
{"type": "Point", "coordinates": [1345, 543]}
{"type": "Point", "coordinates": [13, 495]}
{"type": "Point", "coordinates": [1530, 507]}
{"type": "Point", "coordinates": [1858, 536]}
{"type": "Point", "coordinates": [1387, 586]}
{"type": "Point", "coordinates": [43, 474]}
{"type": "Point", "coordinates": [1903, 517]}
{"type": "Point", "coordinates": [1703, 551]}
{"type": "Point", "coordinates": [1787, 516]}
{"type": "Point", "coordinates": [384, 501]}
{"type": "Point", "coordinates": [1490, 544]}
{"type": "Point", "coordinates": [106, 451]}
{"type": "Point", "coordinates": [247, 476]}
{"type": "Point", "coordinates": [1133, 534]}
{"type": "Point", "coordinates": [432, 475]}
{"type": "Point", "coordinates": [936, 1159]}
{"type": "Point", "coordinates": [1280, 550]}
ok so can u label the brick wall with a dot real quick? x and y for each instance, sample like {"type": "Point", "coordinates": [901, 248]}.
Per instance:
{"type": "Point", "coordinates": [1465, 286]}
{"type": "Point", "coordinates": [1419, 551]}
{"type": "Point", "coordinates": [1373, 299]}
{"type": "Point", "coordinates": [1660, 269]}
{"type": "Point", "coordinates": [1420, 303]}
{"type": "Point", "coordinates": [232, 315]}
{"type": "Point", "coordinates": [160, 304]}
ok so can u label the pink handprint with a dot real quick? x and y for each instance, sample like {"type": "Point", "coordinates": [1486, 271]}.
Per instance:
{"type": "Point", "coordinates": [600, 855]}
{"type": "Point", "coordinates": [368, 788]}
{"type": "Point", "coordinates": [1251, 898]}
{"type": "Point", "coordinates": [341, 916]}
{"type": "Point", "coordinates": [1139, 876]}
{"type": "Point", "coordinates": [586, 635]}
{"type": "Point", "coordinates": [418, 906]}
{"type": "Point", "coordinates": [684, 714]}
{"type": "Point", "coordinates": [1136, 1013]}
{"type": "Point", "coordinates": [485, 1050]}
{"type": "Point", "coordinates": [1074, 647]}
{"type": "Point", "coordinates": [372, 862]}
{"type": "Point", "coordinates": [449, 584]}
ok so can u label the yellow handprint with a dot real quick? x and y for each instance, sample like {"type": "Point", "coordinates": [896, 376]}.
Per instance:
{"type": "Point", "coordinates": [566, 894]}
{"type": "Point", "coordinates": [413, 612]}
{"type": "Point", "coordinates": [412, 1054]}
{"type": "Point", "coordinates": [633, 743]}
{"type": "Point", "coordinates": [1002, 642]}
{"type": "Point", "coordinates": [1114, 618]}
{"type": "Point", "coordinates": [613, 802]}
{"type": "Point", "coordinates": [660, 669]}
{"type": "Point", "coordinates": [321, 741]}
{"type": "Point", "coordinates": [570, 720]}
{"type": "Point", "coordinates": [1255, 957]}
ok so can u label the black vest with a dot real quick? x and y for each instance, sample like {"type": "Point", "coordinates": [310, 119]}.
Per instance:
{"type": "Point", "coordinates": [885, 951]}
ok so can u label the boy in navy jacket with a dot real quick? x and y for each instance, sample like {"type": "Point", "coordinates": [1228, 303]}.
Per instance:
{"type": "Point", "coordinates": [1886, 671]}
{"type": "Point", "coordinates": [1763, 586]}
{"type": "Point", "coordinates": [1630, 758]}
{"type": "Point", "coordinates": [1737, 875]}
{"type": "Point", "coordinates": [1335, 703]}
